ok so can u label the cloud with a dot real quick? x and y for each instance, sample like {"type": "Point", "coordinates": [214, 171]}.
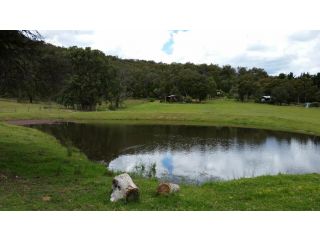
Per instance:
{"type": "Point", "coordinates": [258, 47]}
{"type": "Point", "coordinates": [274, 50]}
{"type": "Point", "coordinates": [271, 65]}
{"type": "Point", "coordinates": [304, 35]}
{"type": "Point", "coordinates": [133, 44]}
{"type": "Point", "coordinates": [68, 38]}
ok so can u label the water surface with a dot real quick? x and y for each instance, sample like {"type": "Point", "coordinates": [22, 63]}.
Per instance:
{"type": "Point", "coordinates": [192, 153]}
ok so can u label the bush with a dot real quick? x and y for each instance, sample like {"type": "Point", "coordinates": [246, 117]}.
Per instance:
{"type": "Point", "coordinates": [314, 104]}
{"type": "Point", "coordinates": [112, 107]}
{"type": "Point", "coordinates": [188, 99]}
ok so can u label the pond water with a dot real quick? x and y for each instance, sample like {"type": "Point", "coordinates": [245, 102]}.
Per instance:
{"type": "Point", "coordinates": [191, 153]}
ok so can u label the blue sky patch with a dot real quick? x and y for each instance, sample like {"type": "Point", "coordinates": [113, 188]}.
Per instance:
{"type": "Point", "coordinates": [168, 46]}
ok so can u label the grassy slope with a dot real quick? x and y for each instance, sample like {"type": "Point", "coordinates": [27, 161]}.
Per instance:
{"type": "Point", "coordinates": [45, 168]}
{"type": "Point", "coordinates": [288, 118]}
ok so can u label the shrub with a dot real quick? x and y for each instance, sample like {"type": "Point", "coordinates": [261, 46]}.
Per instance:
{"type": "Point", "coordinates": [188, 99]}
{"type": "Point", "coordinates": [112, 107]}
{"type": "Point", "coordinates": [314, 104]}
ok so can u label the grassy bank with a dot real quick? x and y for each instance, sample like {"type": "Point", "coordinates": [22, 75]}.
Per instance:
{"type": "Point", "coordinates": [36, 172]}
{"type": "Point", "coordinates": [219, 112]}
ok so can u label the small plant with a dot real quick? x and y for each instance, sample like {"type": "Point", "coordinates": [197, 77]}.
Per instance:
{"type": "Point", "coordinates": [59, 170]}
{"type": "Point", "coordinates": [140, 169]}
{"type": "Point", "coordinates": [152, 170]}
{"type": "Point", "coordinates": [69, 147]}
{"type": "Point", "coordinates": [77, 170]}
{"type": "Point", "coordinates": [69, 151]}
{"type": "Point", "coordinates": [109, 173]}
{"type": "Point", "coordinates": [146, 171]}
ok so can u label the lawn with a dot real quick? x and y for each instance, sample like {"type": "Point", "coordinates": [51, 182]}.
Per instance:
{"type": "Point", "coordinates": [38, 173]}
{"type": "Point", "coordinates": [218, 112]}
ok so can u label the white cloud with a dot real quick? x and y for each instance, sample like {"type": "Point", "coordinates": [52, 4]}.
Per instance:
{"type": "Point", "coordinates": [275, 50]}
{"type": "Point", "coordinates": [138, 44]}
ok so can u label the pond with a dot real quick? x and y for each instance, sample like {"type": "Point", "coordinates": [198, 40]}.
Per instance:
{"type": "Point", "coordinates": [191, 153]}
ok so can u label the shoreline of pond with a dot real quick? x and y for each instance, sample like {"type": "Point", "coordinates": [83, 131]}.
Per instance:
{"type": "Point", "coordinates": [28, 122]}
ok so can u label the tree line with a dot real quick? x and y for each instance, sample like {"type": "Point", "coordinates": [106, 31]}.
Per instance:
{"type": "Point", "coordinates": [82, 78]}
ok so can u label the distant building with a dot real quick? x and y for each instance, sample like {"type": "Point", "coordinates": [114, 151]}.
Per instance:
{"type": "Point", "coordinates": [307, 105]}
{"type": "Point", "coordinates": [220, 93]}
{"type": "Point", "coordinates": [172, 98]}
{"type": "Point", "coordinates": [265, 99]}
{"type": "Point", "coordinates": [311, 104]}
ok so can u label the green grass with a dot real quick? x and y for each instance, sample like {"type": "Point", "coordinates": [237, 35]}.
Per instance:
{"type": "Point", "coordinates": [219, 112]}
{"type": "Point", "coordinates": [33, 165]}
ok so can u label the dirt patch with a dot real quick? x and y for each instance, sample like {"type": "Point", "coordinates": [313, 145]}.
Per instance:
{"type": "Point", "coordinates": [33, 122]}
{"type": "Point", "coordinates": [3, 177]}
{"type": "Point", "coordinates": [46, 198]}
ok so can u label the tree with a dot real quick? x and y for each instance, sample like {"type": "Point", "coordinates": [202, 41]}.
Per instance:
{"type": "Point", "coordinates": [18, 63]}
{"type": "Point", "coordinates": [90, 80]}
{"type": "Point", "coordinates": [317, 96]}
{"type": "Point", "coordinates": [306, 87]}
{"type": "Point", "coordinates": [316, 80]}
{"type": "Point", "coordinates": [246, 86]}
{"type": "Point", "coordinates": [201, 88]}
{"type": "Point", "coordinates": [193, 84]}
{"type": "Point", "coordinates": [185, 80]}
{"type": "Point", "coordinates": [280, 95]}
{"type": "Point", "coordinates": [282, 76]}
{"type": "Point", "coordinates": [212, 87]}
{"type": "Point", "coordinates": [32, 69]}
{"type": "Point", "coordinates": [226, 78]}
{"type": "Point", "coordinates": [54, 67]}
{"type": "Point", "coordinates": [116, 90]}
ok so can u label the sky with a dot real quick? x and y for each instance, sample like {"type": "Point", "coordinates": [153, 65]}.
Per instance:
{"type": "Point", "coordinates": [275, 51]}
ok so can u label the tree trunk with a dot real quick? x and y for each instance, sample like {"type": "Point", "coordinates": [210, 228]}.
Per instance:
{"type": "Point", "coordinates": [167, 188]}
{"type": "Point", "coordinates": [117, 102]}
{"type": "Point", "coordinates": [124, 188]}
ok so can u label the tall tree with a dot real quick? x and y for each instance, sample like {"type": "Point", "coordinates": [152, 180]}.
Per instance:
{"type": "Point", "coordinates": [18, 63]}
{"type": "Point", "coordinates": [90, 79]}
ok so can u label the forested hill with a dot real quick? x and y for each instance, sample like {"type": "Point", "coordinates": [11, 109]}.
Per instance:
{"type": "Point", "coordinates": [31, 70]}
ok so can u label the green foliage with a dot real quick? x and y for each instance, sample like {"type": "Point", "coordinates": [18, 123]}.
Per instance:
{"type": "Point", "coordinates": [144, 170]}
{"type": "Point", "coordinates": [112, 107]}
{"type": "Point", "coordinates": [188, 99]}
{"type": "Point", "coordinates": [116, 89]}
{"type": "Point", "coordinates": [18, 64]}
{"type": "Point", "coordinates": [314, 104]}
{"type": "Point", "coordinates": [89, 81]}
{"type": "Point", "coordinates": [280, 95]}
{"type": "Point", "coordinates": [82, 78]}
{"type": "Point", "coordinates": [212, 87]}
{"type": "Point", "coordinates": [152, 170]}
